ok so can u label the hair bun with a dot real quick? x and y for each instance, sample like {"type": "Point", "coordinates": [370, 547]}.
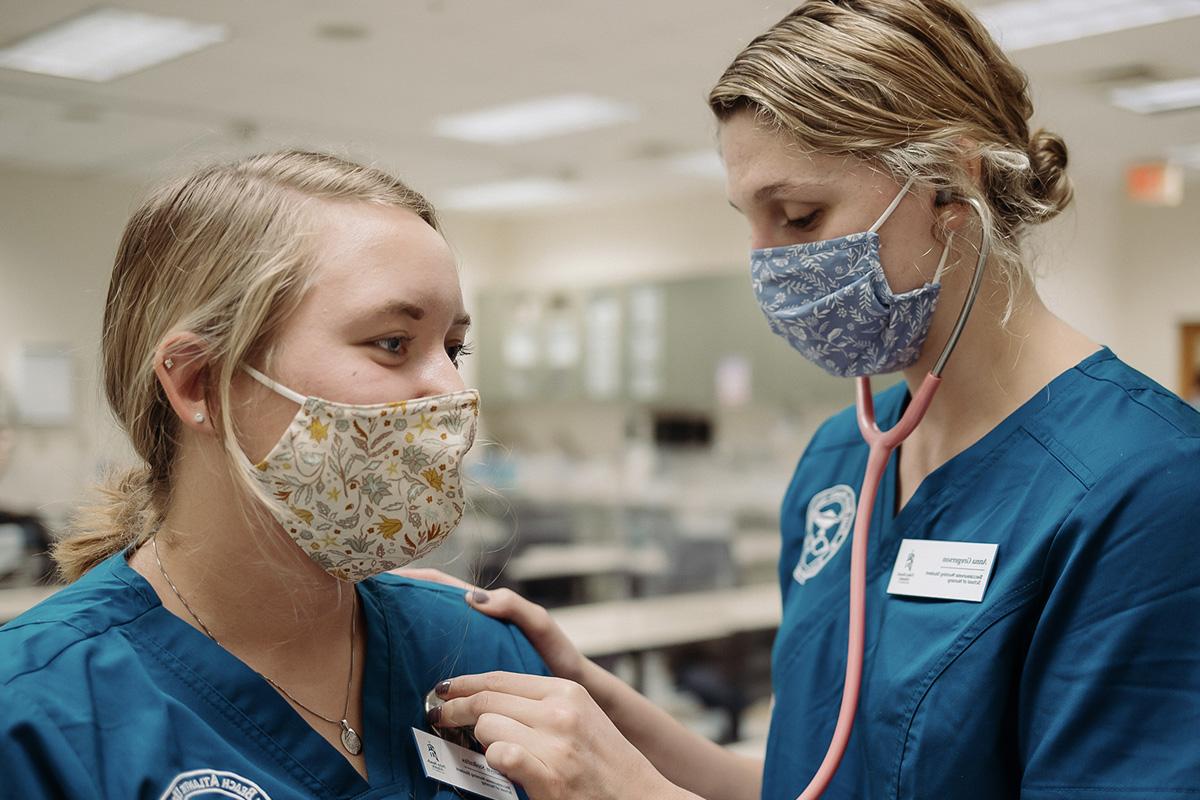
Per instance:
{"type": "Point", "coordinates": [1050, 184]}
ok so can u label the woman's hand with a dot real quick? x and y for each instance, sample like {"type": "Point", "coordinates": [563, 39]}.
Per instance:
{"type": "Point", "coordinates": [560, 655]}
{"type": "Point", "coordinates": [548, 735]}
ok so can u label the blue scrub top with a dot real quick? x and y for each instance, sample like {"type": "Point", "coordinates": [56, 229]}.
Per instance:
{"type": "Point", "coordinates": [1078, 676]}
{"type": "Point", "coordinates": [105, 693]}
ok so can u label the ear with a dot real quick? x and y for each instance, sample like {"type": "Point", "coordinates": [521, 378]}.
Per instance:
{"type": "Point", "coordinates": [952, 213]}
{"type": "Point", "coordinates": [181, 363]}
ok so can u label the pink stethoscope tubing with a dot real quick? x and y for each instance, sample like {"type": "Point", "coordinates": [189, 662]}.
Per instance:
{"type": "Point", "coordinates": [881, 445]}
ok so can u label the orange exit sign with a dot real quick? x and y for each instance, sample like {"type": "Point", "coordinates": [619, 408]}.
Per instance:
{"type": "Point", "coordinates": [1155, 183]}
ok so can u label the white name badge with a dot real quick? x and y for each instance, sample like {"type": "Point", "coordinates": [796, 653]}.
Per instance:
{"type": "Point", "coordinates": [465, 769]}
{"type": "Point", "coordinates": [942, 570]}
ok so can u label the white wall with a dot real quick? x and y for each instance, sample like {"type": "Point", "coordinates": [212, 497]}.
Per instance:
{"type": "Point", "coordinates": [1158, 283]}
{"type": "Point", "coordinates": [57, 240]}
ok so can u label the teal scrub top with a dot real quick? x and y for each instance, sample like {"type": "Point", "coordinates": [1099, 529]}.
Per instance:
{"type": "Point", "coordinates": [106, 694]}
{"type": "Point", "coordinates": [1077, 676]}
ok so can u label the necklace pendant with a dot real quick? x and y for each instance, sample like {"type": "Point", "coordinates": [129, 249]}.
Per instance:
{"type": "Point", "coordinates": [350, 739]}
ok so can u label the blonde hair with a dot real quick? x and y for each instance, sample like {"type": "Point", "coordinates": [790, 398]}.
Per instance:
{"type": "Point", "coordinates": [905, 84]}
{"type": "Point", "coordinates": [221, 253]}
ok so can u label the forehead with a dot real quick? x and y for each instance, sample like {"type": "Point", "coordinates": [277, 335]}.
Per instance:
{"type": "Point", "coordinates": [367, 254]}
{"type": "Point", "coordinates": [759, 157]}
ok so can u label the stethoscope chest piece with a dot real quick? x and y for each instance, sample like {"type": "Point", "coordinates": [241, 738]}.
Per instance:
{"type": "Point", "coordinates": [463, 737]}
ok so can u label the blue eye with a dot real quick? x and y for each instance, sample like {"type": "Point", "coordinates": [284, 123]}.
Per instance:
{"type": "Point", "coordinates": [393, 344]}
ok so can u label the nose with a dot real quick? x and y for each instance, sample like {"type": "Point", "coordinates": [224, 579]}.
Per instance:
{"type": "Point", "coordinates": [763, 236]}
{"type": "Point", "coordinates": [439, 375]}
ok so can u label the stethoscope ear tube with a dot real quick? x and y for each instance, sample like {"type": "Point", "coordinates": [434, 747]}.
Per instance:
{"type": "Point", "coordinates": [882, 444]}
{"type": "Point", "coordinates": [985, 246]}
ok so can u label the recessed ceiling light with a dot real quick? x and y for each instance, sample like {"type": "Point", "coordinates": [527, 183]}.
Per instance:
{"type": "Point", "coordinates": [107, 43]}
{"type": "Point", "coordinates": [1021, 24]}
{"type": "Point", "coordinates": [1157, 98]}
{"type": "Point", "coordinates": [507, 195]}
{"type": "Point", "coordinates": [535, 119]}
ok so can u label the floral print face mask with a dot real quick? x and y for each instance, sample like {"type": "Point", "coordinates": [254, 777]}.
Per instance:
{"type": "Point", "coordinates": [831, 301]}
{"type": "Point", "coordinates": [366, 489]}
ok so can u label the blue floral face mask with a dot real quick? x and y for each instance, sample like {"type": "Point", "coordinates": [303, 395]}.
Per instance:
{"type": "Point", "coordinates": [832, 302]}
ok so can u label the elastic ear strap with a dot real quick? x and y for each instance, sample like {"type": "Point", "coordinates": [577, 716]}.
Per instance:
{"type": "Point", "coordinates": [937, 276]}
{"type": "Point", "coordinates": [278, 388]}
{"type": "Point", "coordinates": [899, 198]}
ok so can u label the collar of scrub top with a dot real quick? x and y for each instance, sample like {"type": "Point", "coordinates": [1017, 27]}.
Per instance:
{"type": "Point", "coordinates": [882, 444]}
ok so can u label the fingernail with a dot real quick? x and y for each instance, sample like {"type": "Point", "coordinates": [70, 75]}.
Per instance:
{"type": "Point", "coordinates": [442, 689]}
{"type": "Point", "coordinates": [434, 715]}
{"type": "Point", "coordinates": [479, 596]}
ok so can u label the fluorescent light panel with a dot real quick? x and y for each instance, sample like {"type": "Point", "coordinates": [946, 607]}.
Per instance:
{"type": "Point", "coordinates": [535, 119]}
{"type": "Point", "coordinates": [1157, 98]}
{"type": "Point", "coordinates": [1021, 24]}
{"type": "Point", "coordinates": [108, 43]}
{"type": "Point", "coordinates": [507, 195]}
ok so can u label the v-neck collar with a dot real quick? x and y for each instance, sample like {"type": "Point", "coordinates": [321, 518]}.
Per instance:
{"type": "Point", "coordinates": [941, 486]}
{"type": "Point", "coordinates": [260, 711]}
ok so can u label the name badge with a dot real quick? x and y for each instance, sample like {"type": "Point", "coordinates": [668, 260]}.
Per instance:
{"type": "Point", "coordinates": [942, 570]}
{"type": "Point", "coordinates": [462, 768]}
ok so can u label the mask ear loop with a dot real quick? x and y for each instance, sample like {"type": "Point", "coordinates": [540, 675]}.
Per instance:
{"type": "Point", "coordinates": [278, 388]}
{"type": "Point", "coordinates": [941, 267]}
{"type": "Point", "coordinates": [895, 203]}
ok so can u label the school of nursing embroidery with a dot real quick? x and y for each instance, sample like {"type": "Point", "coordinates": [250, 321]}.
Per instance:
{"type": "Point", "coordinates": [826, 527]}
{"type": "Point", "coordinates": [203, 783]}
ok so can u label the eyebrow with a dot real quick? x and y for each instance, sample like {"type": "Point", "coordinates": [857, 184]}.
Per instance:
{"type": "Point", "coordinates": [774, 190]}
{"type": "Point", "coordinates": [402, 308]}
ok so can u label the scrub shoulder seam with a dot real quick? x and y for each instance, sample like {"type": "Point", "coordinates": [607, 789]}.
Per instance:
{"type": "Point", "coordinates": [1132, 393]}
{"type": "Point", "coordinates": [393, 582]}
{"type": "Point", "coordinates": [85, 636]}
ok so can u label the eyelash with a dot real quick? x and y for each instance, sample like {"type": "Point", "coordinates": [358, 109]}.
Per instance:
{"type": "Point", "coordinates": [803, 223]}
{"type": "Point", "coordinates": [403, 340]}
{"type": "Point", "coordinates": [456, 352]}
{"type": "Point", "coordinates": [460, 351]}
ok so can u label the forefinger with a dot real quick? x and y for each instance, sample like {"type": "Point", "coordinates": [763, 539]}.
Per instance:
{"type": "Point", "coordinates": [533, 687]}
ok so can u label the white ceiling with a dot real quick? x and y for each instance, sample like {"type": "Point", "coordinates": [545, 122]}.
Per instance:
{"type": "Point", "coordinates": [277, 81]}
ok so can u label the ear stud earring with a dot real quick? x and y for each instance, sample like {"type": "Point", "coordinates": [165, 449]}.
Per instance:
{"type": "Point", "coordinates": [168, 363]}
{"type": "Point", "coordinates": [198, 416]}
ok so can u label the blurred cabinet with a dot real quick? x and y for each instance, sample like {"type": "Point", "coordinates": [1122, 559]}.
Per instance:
{"type": "Point", "coordinates": [661, 344]}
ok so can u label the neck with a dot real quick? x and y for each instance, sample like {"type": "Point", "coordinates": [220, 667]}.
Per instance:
{"type": "Point", "coordinates": [255, 590]}
{"type": "Point", "coordinates": [997, 366]}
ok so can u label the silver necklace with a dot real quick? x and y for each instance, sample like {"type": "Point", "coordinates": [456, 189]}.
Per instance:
{"type": "Point", "coordinates": [350, 738]}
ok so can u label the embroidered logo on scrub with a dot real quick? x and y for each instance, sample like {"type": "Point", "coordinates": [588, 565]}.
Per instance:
{"type": "Point", "coordinates": [205, 783]}
{"type": "Point", "coordinates": [826, 527]}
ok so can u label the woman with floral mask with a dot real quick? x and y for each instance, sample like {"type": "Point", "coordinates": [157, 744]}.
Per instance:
{"type": "Point", "coordinates": [281, 341]}
{"type": "Point", "coordinates": [1032, 579]}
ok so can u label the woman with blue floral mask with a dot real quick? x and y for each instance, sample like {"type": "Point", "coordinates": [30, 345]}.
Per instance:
{"type": "Point", "coordinates": [281, 342]}
{"type": "Point", "coordinates": [1031, 577]}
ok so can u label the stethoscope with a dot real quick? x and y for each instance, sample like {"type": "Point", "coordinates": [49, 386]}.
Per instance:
{"type": "Point", "coordinates": [882, 444]}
